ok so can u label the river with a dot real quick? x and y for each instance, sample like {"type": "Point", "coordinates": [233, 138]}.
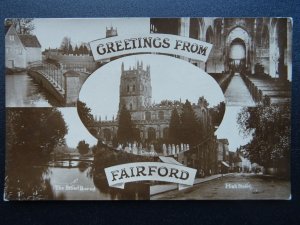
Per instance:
{"type": "Point", "coordinates": [68, 180]}
{"type": "Point", "coordinates": [78, 182]}
{"type": "Point", "coordinates": [22, 91]}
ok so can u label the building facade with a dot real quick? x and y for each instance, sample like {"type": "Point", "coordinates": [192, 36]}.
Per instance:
{"type": "Point", "coordinates": [151, 120]}
{"type": "Point", "coordinates": [21, 49]}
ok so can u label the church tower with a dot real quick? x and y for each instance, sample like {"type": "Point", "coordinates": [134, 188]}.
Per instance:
{"type": "Point", "coordinates": [135, 89]}
{"type": "Point", "coordinates": [111, 32]}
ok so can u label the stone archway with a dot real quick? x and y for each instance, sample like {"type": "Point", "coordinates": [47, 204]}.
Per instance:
{"type": "Point", "coordinates": [209, 36]}
{"type": "Point", "coordinates": [237, 56]}
{"type": "Point", "coordinates": [196, 28]}
{"type": "Point", "coordinates": [239, 33]}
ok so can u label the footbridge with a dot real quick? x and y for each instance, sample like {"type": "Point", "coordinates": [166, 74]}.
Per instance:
{"type": "Point", "coordinates": [64, 84]}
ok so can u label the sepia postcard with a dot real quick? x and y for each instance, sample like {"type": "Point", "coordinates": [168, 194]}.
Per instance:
{"type": "Point", "coordinates": [148, 108]}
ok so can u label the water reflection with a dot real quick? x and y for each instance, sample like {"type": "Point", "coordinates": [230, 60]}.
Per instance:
{"type": "Point", "coordinates": [58, 181]}
{"type": "Point", "coordinates": [22, 91]}
{"type": "Point", "coordinates": [28, 184]}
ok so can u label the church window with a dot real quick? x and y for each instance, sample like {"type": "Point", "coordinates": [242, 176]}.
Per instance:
{"type": "Point", "coordinates": [133, 88]}
{"type": "Point", "coordinates": [148, 115]}
{"type": "Point", "coordinates": [161, 115]}
{"type": "Point", "coordinates": [127, 88]}
{"type": "Point", "coordinates": [130, 106]}
{"type": "Point", "coordinates": [11, 37]}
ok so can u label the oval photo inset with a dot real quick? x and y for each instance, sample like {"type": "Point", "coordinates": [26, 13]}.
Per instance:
{"type": "Point", "coordinates": [151, 105]}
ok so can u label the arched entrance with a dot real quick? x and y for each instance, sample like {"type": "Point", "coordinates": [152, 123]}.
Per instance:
{"type": "Point", "coordinates": [209, 35]}
{"type": "Point", "coordinates": [196, 28]}
{"type": "Point", "coordinates": [238, 48]}
{"type": "Point", "coordinates": [237, 56]}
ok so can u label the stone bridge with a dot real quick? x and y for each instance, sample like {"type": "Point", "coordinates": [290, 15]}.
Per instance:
{"type": "Point", "coordinates": [63, 84]}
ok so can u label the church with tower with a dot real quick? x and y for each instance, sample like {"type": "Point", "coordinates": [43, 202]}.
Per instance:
{"type": "Point", "coordinates": [151, 120]}
{"type": "Point", "coordinates": [136, 90]}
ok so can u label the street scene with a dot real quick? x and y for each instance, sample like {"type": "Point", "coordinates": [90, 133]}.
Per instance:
{"type": "Point", "coordinates": [233, 186]}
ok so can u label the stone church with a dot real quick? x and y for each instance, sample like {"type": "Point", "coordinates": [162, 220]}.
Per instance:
{"type": "Point", "coordinates": [151, 120]}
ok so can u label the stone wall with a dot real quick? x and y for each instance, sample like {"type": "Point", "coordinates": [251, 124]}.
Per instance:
{"type": "Point", "coordinates": [70, 61]}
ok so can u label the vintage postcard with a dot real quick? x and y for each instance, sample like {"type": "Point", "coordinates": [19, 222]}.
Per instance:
{"type": "Point", "coordinates": [148, 108]}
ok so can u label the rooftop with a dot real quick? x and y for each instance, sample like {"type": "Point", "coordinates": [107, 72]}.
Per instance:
{"type": "Point", "coordinates": [29, 41]}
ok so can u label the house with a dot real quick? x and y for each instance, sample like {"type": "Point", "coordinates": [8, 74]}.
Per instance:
{"type": "Point", "coordinates": [21, 49]}
{"type": "Point", "coordinates": [223, 155]}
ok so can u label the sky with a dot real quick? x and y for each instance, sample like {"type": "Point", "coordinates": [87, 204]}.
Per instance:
{"type": "Point", "coordinates": [76, 130]}
{"type": "Point", "coordinates": [171, 79]}
{"type": "Point", "coordinates": [50, 32]}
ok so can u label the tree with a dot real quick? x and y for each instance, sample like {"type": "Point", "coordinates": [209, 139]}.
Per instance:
{"type": "Point", "coordinates": [269, 127]}
{"type": "Point", "coordinates": [126, 127]}
{"type": "Point", "coordinates": [76, 51]}
{"type": "Point", "coordinates": [31, 135]}
{"type": "Point", "coordinates": [83, 147]}
{"type": "Point", "coordinates": [65, 45]}
{"type": "Point", "coordinates": [70, 49]}
{"type": "Point", "coordinates": [174, 127]}
{"type": "Point", "coordinates": [80, 50]}
{"type": "Point", "coordinates": [189, 125]}
{"type": "Point", "coordinates": [217, 114]}
{"type": "Point", "coordinates": [22, 25]}
{"type": "Point", "coordinates": [84, 113]}
{"type": "Point", "coordinates": [85, 50]}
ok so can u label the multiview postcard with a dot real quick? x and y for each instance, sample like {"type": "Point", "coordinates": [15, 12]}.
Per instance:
{"type": "Point", "coordinates": [148, 108]}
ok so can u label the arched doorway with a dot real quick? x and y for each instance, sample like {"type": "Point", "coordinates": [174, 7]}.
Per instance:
{"type": "Point", "coordinates": [194, 28]}
{"type": "Point", "coordinates": [238, 48]}
{"type": "Point", "coordinates": [209, 35]}
{"type": "Point", "coordinates": [237, 56]}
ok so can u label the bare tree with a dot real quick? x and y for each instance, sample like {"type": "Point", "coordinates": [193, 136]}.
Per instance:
{"type": "Point", "coordinates": [65, 45]}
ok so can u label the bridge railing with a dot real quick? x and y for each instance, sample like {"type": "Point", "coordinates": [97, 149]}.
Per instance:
{"type": "Point", "coordinates": [35, 65]}
{"type": "Point", "coordinates": [50, 71]}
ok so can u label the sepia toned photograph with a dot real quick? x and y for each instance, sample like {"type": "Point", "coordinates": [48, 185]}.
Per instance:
{"type": "Point", "coordinates": [77, 119]}
{"type": "Point", "coordinates": [40, 52]}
